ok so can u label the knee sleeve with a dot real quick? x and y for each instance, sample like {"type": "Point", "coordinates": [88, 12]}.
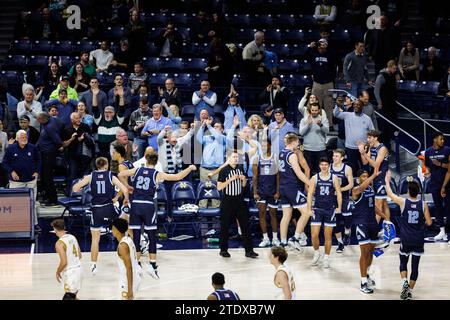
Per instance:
{"type": "Point", "coordinates": [403, 263]}
{"type": "Point", "coordinates": [137, 239]}
{"type": "Point", "coordinates": [339, 224]}
{"type": "Point", "coordinates": [151, 241]}
{"type": "Point", "coordinates": [415, 268]}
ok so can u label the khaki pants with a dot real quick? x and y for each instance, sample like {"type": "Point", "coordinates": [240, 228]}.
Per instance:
{"type": "Point", "coordinates": [204, 177]}
{"type": "Point", "coordinates": [325, 98]}
{"type": "Point", "coordinates": [32, 185]}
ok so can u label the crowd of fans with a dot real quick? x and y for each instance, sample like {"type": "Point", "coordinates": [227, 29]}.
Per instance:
{"type": "Point", "coordinates": [79, 121]}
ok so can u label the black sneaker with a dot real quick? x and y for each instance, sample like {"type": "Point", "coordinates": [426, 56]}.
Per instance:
{"type": "Point", "coordinates": [37, 228]}
{"type": "Point", "coordinates": [340, 248]}
{"type": "Point", "coordinates": [251, 254]}
{"type": "Point", "coordinates": [405, 291]}
{"type": "Point", "coordinates": [409, 297]}
{"type": "Point", "coordinates": [346, 239]}
{"type": "Point", "coordinates": [365, 288]}
{"type": "Point", "coordinates": [225, 254]}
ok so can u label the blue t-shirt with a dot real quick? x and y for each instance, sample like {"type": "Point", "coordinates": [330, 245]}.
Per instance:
{"type": "Point", "coordinates": [437, 173]}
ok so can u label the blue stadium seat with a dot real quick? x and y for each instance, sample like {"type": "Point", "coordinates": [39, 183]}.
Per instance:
{"type": "Point", "coordinates": [172, 65]}
{"type": "Point", "coordinates": [154, 32]}
{"type": "Point", "coordinates": [114, 33]}
{"type": "Point", "coordinates": [281, 49]}
{"type": "Point", "coordinates": [182, 79]}
{"type": "Point", "coordinates": [294, 35]}
{"type": "Point", "coordinates": [261, 20]}
{"type": "Point", "coordinates": [306, 20]}
{"type": "Point", "coordinates": [37, 62]}
{"type": "Point", "coordinates": [158, 78]}
{"type": "Point", "coordinates": [81, 210]}
{"type": "Point", "coordinates": [272, 35]}
{"type": "Point", "coordinates": [162, 209]}
{"type": "Point", "coordinates": [427, 197]}
{"type": "Point", "coordinates": [297, 80]}
{"type": "Point", "coordinates": [239, 20]}
{"type": "Point", "coordinates": [20, 47]}
{"type": "Point", "coordinates": [188, 112]}
{"type": "Point", "coordinates": [356, 33]}
{"type": "Point", "coordinates": [105, 78]}
{"type": "Point", "coordinates": [85, 45]}
{"type": "Point", "coordinates": [299, 50]}
{"type": "Point", "coordinates": [289, 66]}
{"type": "Point", "coordinates": [42, 47]}
{"type": "Point", "coordinates": [407, 85]}
{"type": "Point", "coordinates": [74, 198]}
{"type": "Point", "coordinates": [312, 35]}
{"type": "Point", "coordinates": [245, 34]}
{"type": "Point", "coordinates": [284, 20]}
{"type": "Point", "coordinates": [151, 64]}
{"type": "Point", "coordinates": [340, 35]}
{"type": "Point", "coordinates": [403, 184]}
{"type": "Point", "coordinates": [427, 87]}
{"type": "Point", "coordinates": [207, 191]}
{"type": "Point", "coordinates": [180, 19]}
{"type": "Point", "coordinates": [184, 32]}
{"type": "Point", "coordinates": [63, 48]}
{"type": "Point", "coordinates": [305, 66]}
{"type": "Point", "coordinates": [14, 62]}
{"type": "Point", "coordinates": [156, 19]}
{"type": "Point", "coordinates": [183, 193]}
{"type": "Point", "coordinates": [195, 64]}
{"type": "Point", "coordinates": [202, 49]}
{"type": "Point", "coordinates": [68, 61]}
{"type": "Point", "coordinates": [151, 49]}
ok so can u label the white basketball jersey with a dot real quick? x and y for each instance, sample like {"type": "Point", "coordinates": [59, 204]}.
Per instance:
{"type": "Point", "coordinates": [72, 251]}
{"type": "Point", "coordinates": [279, 295]}
{"type": "Point", "coordinates": [134, 263]}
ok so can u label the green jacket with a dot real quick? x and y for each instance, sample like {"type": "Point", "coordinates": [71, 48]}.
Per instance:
{"type": "Point", "coordinates": [71, 93]}
{"type": "Point", "coordinates": [89, 69]}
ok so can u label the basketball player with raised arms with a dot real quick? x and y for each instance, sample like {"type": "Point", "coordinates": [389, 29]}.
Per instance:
{"type": "Point", "coordinates": [102, 185]}
{"type": "Point", "coordinates": [130, 272]}
{"type": "Point", "coordinates": [145, 181]}
{"type": "Point", "coordinates": [69, 269]}
{"type": "Point", "coordinates": [284, 278]}
{"type": "Point", "coordinates": [291, 192]}
{"type": "Point", "coordinates": [414, 214]}
{"type": "Point", "coordinates": [326, 191]}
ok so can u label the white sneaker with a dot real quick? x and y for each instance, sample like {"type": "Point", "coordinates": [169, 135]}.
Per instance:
{"type": "Point", "coordinates": [94, 269]}
{"type": "Point", "coordinates": [159, 246]}
{"type": "Point", "coordinates": [265, 243]}
{"type": "Point", "coordinates": [303, 241]}
{"type": "Point", "coordinates": [326, 263]}
{"type": "Point", "coordinates": [151, 271]}
{"type": "Point", "coordinates": [316, 258]}
{"type": "Point", "coordinates": [442, 236]}
{"type": "Point", "coordinates": [276, 242]}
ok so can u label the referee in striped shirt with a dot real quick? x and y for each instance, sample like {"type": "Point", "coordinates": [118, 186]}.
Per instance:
{"type": "Point", "coordinates": [232, 182]}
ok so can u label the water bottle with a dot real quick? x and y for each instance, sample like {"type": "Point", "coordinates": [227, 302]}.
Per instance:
{"type": "Point", "coordinates": [212, 240]}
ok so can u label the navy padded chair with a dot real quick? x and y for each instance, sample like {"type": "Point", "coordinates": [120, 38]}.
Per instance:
{"type": "Point", "coordinates": [284, 20]}
{"type": "Point", "coordinates": [281, 49]}
{"type": "Point", "coordinates": [172, 65]}
{"type": "Point", "coordinates": [161, 206]}
{"type": "Point", "coordinates": [85, 45]}
{"type": "Point", "coordinates": [114, 33]}
{"type": "Point", "coordinates": [294, 35]}
{"type": "Point", "coordinates": [20, 47]}
{"type": "Point", "coordinates": [240, 20]}
{"type": "Point", "coordinates": [312, 35]}
{"type": "Point", "coordinates": [158, 78]}
{"type": "Point", "coordinates": [208, 191]}
{"type": "Point", "coordinates": [188, 112]}
{"type": "Point", "coordinates": [340, 35]}
{"type": "Point", "coordinates": [407, 85]}
{"type": "Point", "coordinates": [305, 66]}
{"type": "Point", "coordinates": [261, 20]}
{"type": "Point", "coordinates": [180, 19]}
{"type": "Point", "coordinates": [41, 47]}
{"type": "Point", "coordinates": [15, 62]}
{"type": "Point", "coordinates": [289, 66]}
{"type": "Point", "coordinates": [299, 50]}
{"type": "Point", "coordinates": [183, 193]}
{"type": "Point", "coordinates": [156, 19]}
{"type": "Point", "coordinates": [37, 62]}
{"type": "Point", "coordinates": [306, 20]}
{"type": "Point", "coordinates": [74, 198]}
{"type": "Point", "coordinates": [427, 87]}
{"type": "Point", "coordinates": [151, 64]}
{"type": "Point", "coordinates": [63, 48]}
{"type": "Point", "coordinates": [81, 211]}
{"type": "Point", "coordinates": [182, 79]}
{"type": "Point", "coordinates": [244, 34]}
{"type": "Point", "coordinates": [298, 80]}
{"type": "Point", "coordinates": [195, 64]}
{"type": "Point", "coordinates": [155, 32]}
{"type": "Point", "coordinates": [184, 31]}
{"type": "Point", "coordinates": [151, 49]}
{"type": "Point", "coordinates": [68, 60]}
{"type": "Point", "coordinates": [273, 35]}
{"type": "Point", "coordinates": [11, 77]}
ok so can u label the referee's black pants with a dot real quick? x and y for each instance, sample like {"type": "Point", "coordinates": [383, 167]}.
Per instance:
{"type": "Point", "coordinates": [232, 208]}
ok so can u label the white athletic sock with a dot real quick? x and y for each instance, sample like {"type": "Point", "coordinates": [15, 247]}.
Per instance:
{"type": "Point", "coordinates": [363, 280]}
{"type": "Point", "coordinates": [442, 230]}
{"type": "Point", "coordinates": [265, 236]}
{"type": "Point", "coordinates": [239, 231]}
{"type": "Point", "coordinates": [284, 241]}
{"type": "Point", "coordinates": [347, 231]}
{"type": "Point", "coordinates": [326, 257]}
{"type": "Point", "coordinates": [274, 236]}
{"type": "Point", "coordinates": [339, 240]}
{"type": "Point", "coordinates": [297, 235]}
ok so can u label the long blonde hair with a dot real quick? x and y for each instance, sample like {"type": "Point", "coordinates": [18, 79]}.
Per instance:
{"type": "Point", "coordinates": [250, 121]}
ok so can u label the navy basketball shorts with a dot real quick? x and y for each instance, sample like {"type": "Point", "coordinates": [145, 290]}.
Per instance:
{"type": "Point", "coordinates": [143, 213]}
{"type": "Point", "coordinates": [327, 217]}
{"type": "Point", "coordinates": [413, 250]}
{"type": "Point", "coordinates": [380, 190]}
{"type": "Point", "coordinates": [367, 233]}
{"type": "Point", "coordinates": [292, 198]}
{"type": "Point", "coordinates": [268, 201]}
{"type": "Point", "coordinates": [101, 215]}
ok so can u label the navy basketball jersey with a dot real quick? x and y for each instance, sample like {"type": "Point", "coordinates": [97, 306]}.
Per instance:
{"type": "Point", "coordinates": [364, 212]}
{"type": "Point", "coordinates": [325, 193]}
{"type": "Point", "coordinates": [102, 188]}
{"type": "Point", "coordinates": [223, 294]}
{"type": "Point", "coordinates": [129, 166]}
{"type": "Point", "coordinates": [384, 166]}
{"type": "Point", "coordinates": [343, 181]}
{"type": "Point", "coordinates": [267, 176]}
{"type": "Point", "coordinates": [288, 178]}
{"type": "Point", "coordinates": [144, 184]}
{"type": "Point", "coordinates": [412, 223]}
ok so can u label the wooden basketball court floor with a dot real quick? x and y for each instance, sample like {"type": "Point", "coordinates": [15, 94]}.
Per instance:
{"type": "Point", "coordinates": [186, 274]}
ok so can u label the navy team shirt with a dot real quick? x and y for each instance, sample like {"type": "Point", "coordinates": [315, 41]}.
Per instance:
{"type": "Point", "coordinates": [412, 223]}
{"type": "Point", "coordinates": [437, 173]}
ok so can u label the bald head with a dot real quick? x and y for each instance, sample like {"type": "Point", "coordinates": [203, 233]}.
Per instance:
{"type": "Point", "coordinates": [259, 38]}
